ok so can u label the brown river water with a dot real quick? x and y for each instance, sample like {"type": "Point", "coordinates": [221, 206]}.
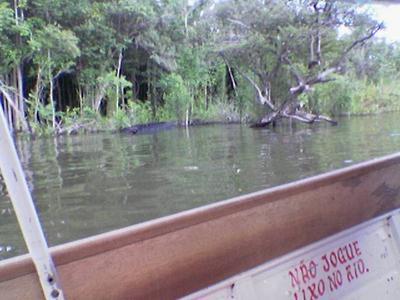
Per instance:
{"type": "Point", "coordinates": [88, 184]}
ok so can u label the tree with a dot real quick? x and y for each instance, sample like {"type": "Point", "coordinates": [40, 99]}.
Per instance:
{"type": "Point", "coordinates": [13, 32]}
{"type": "Point", "coordinates": [55, 50]}
{"type": "Point", "coordinates": [295, 39]}
{"type": "Point", "coordinates": [106, 54]}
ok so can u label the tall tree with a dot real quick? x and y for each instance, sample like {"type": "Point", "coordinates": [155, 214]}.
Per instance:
{"type": "Point", "coordinates": [295, 39]}
{"type": "Point", "coordinates": [55, 50]}
{"type": "Point", "coordinates": [13, 31]}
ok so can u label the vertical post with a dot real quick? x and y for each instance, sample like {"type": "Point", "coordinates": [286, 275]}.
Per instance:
{"type": "Point", "coordinates": [28, 220]}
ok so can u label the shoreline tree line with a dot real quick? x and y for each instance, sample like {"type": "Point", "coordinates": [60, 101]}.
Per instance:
{"type": "Point", "coordinates": [70, 65]}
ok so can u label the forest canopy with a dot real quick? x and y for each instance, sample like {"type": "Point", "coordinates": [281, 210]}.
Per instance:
{"type": "Point", "coordinates": [80, 65]}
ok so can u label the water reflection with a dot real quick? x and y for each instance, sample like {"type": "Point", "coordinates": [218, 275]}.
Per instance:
{"type": "Point", "coordinates": [83, 185]}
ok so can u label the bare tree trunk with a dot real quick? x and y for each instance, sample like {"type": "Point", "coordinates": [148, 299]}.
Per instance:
{"type": "Point", "coordinates": [80, 95]}
{"type": "Point", "coordinates": [206, 97]}
{"type": "Point", "coordinates": [14, 84]}
{"type": "Point", "coordinates": [10, 117]}
{"type": "Point", "coordinates": [186, 17]}
{"type": "Point", "coordinates": [51, 99]}
{"type": "Point", "coordinates": [187, 117]}
{"type": "Point", "coordinates": [120, 56]}
{"type": "Point", "coordinates": [150, 83]}
{"type": "Point", "coordinates": [38, 93]}
{"type": "Point", "coordinates": [23, 123]}
{"type": "Point", "coordinates": [13, 111]}
{"type": "Point", "coordinates": [20, 83]}
{"type": "Point", "coordinates": [233, 81]}
{"type": "Point", "coordinates": [51, 88]}
{"type": "Point", "coordinates": [98, 96]}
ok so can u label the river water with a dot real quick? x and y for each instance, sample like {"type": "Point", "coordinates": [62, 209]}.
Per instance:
{"type": "Point", "coordinates": [89, 184]}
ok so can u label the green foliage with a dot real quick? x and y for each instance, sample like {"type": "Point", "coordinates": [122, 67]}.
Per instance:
{"type": "Point", "coordinates": [332, 98]}
{"type": "Point", "coordinates": [8, 51]}
{"type": "Point", "coordinates": [191, 67]}
{"type": "Point", "coordinates": [375, 97]}
{"type": "Point", "coordinates": [348, 95]}
{"type": "Point", "coordinates": [174, 56]}
{"type": "Point", "coordinates": [71, 116]}
{"type": "Point", "coordinates": [45, 113]}
{"type": "Point", "coordinates": [113, 84]}
{"type": "Point", "coordinates": [176, 96]}
{"type": "Point", "coordinates": [54, 47]}
{"type": "Point", "coordinates": [78, 116]}
{"type": "Point", "coordinates": [247, 104]}
{"type": "Point", "coordinates": [139, 113]}
{"type": "Point", "coordinates": [120, 119]}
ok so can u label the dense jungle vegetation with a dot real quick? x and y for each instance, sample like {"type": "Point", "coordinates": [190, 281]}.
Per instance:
{"type": "Point", "coordinates": [67, 66]}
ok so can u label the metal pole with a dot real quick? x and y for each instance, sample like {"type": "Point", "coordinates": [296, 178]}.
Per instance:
{"type": "Point", "coordinates": [17, 187]}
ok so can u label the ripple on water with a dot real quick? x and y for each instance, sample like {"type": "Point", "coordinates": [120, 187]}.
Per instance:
{"type": "Point", "coordinates": [84, 185]}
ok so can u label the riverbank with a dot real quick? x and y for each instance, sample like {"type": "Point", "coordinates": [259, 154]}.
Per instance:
{"type": "Point", "coordinates": [134, 119]}
{"type": "Point", "coordinates": [159, 126]}
{"type": "Point", "coordinates": [103, 125]}
{"type": "Point", "coordinates": [337, 98]}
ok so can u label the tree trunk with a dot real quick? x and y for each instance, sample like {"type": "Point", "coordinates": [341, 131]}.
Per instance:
{"type": "Point", "coordinates": [206, 97]}
{"type": "Point", "coordinates": [80, 95]}
{"type": "Point", "coordinates": [38, 93]}
{"type": "Point", "coordinates": [51, 88]}
{"type": "Point", "coordinates": [12, 109]}
{"type": "Point", "coordinates": [21, 98]}
{"type": "Point", "coordinates": [51, 99]}
{"type": "Point", "coordinates": [19, 82]}
{"type": "Point", "coordinates": [118, 87]}
{"type": "Point", "coordinates": [187, 117]}
{"type": "Point", "coordinates": [98, 96]}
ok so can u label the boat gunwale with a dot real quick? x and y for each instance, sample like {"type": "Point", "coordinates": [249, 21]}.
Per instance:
{"type": "Point", "coordinates": [76, 250]}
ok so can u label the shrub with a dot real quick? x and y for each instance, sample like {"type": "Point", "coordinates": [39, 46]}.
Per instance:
{"type": "Point", "coordinates": [176, 96]}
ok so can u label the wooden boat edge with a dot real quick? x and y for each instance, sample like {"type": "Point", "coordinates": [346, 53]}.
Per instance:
{"type": "Point", "coordinates": [66, 253]}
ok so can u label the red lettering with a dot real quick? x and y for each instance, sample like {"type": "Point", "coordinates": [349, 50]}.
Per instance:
{"type": "Point", "coordinates": [357, 248]}
{"type": "Point", "coordinates": [361, 266]}
{"type": "Point", "coordinates": [312, 267]}
{"type": "Point", "coordinates": [294, 278]}
{"type": "Point", "coordinates": [335, 280]}
{"type": "Point", "coordinates": [311, 292]}
{"type": "Point", "coordinates": [304, 294]}
{"type": "Point", "coordinates": [304, 273]}
{"type": "Point", "coordinates": [339, 278]}
{"type": "Point", "coordinates": [333, 259]}
{"type": "Point", "coordinates": [350, 276]}
{"type": "Point", "coordinates": [312, 289]}
{"type": "Point", "coordinates": [355, 270]}
{"type": "Point", "coordinates": [349, 251]}
{"type": "Point", "coordinates": [341, 257]}
{"type": "Point", "coordinates": [326, 263]}
{"type": "Point", "coordinates": [297, 297]}
{"type": "Point", "coordinates": [321, 287]}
